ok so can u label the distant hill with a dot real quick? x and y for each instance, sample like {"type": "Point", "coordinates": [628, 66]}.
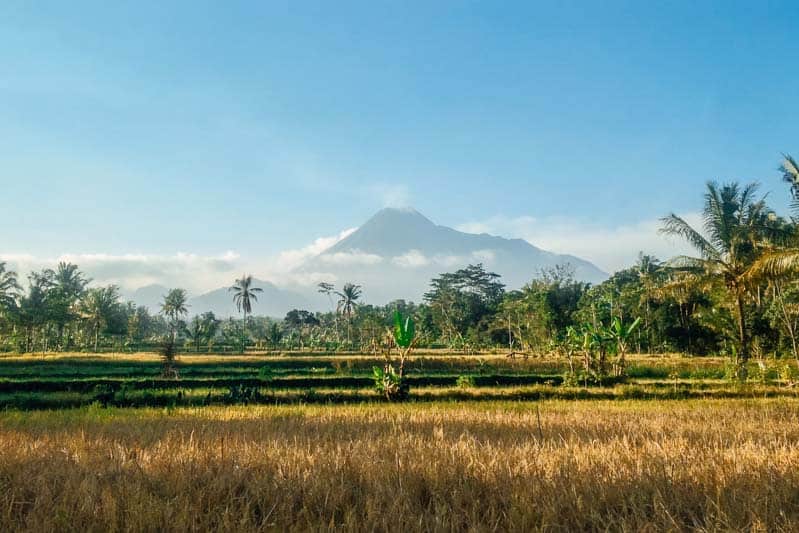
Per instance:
{"type": "Point", "coordinates": [273, 301]}
{"type": "Point", "coordinates": [397, 251]}
{"type": "Point", "coordinates": [150, 296]}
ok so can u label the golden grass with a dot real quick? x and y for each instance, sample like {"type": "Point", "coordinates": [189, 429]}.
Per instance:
{"type": "Point", "coordinates": [712, 465]}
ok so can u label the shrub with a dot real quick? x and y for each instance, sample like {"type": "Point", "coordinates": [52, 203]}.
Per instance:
{"type": "Point", "coordinates": [465, 382]}
{"type": "Point", "coordinates": [390, 384]}
{"type": "Point", "coordinates": [169, 352]}
{"type": "Point", "coordinates": [239, 393]}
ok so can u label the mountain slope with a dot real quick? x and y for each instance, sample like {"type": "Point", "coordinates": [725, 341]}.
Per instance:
{"type": "Point", "coordinates": [397, 251]}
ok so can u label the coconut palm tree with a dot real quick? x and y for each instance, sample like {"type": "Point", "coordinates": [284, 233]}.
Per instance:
{"type": "Point", "coordinates": [174, 307]}
{"type": "Point", "coordinates": [736, 225]}
{"type": "Point", "coordinates": [347, 303]}
{"type": "Point", "coordinates": [790, 175]}
{"type": "Point", "coordinates": [329, 289]}
{"type": "Point", "coordinates": [97, 306]}
{"type": "Point", "coordinates": [8, 286]}
{"type": "Point", "coordinates": [244, 294]}
{"type": "Point", "coordinates": [779, 262]}
{"type": "Point", "coordinates": [68, 286]}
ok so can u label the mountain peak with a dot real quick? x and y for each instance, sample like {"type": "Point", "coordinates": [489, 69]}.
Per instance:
{"type": "Point", "coordinates": [398, 214]}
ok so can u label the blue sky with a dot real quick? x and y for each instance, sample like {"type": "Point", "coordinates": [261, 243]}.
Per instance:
{"type": "Point", "coordinates": [253, 129]}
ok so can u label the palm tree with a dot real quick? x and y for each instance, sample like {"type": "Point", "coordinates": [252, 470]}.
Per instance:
{"type": "Point", "coordinates": [69, 285]}
{"type": "Point", "coordinates": [8, 286]}
{"type": "Point", "coordinates": [174, 306]}
{"type": "Point", "coordinates": [647, 268]}
{"type": "Point", "coordinates": [790, 175]}
{"type": "Point", "coordinates": [69, 279]}
{"type": "Point", "coordinates": [329, 289]}
{"type": "Point", "coordinates": [779, 262]}
{"type": "Point", "coordinates": [737, 225]}
{"type": "Point", "coordinates": [97, 306]}
{"type": "Point", "coordinates": [244, 294]}
{"type": "Point", "coordinates": [202, 328]}
{"type": "Point", "coordinates": [348, 301]}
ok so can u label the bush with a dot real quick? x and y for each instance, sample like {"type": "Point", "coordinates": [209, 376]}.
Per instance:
{"type": "Point", "coordinates": [390, 384]}
{"type": "Point", "coordinates": [465, 382]}
{"type": "Point", "coordinates": [169, 352]}
{"type": "Point", "coordinates": [243, 394]}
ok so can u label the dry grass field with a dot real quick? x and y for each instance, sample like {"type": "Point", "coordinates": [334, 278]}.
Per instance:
{"type": "Point", "coordinates": [488, 466]}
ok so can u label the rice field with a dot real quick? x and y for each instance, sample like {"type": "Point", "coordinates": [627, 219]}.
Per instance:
{"type": "Point", "coordinates": [489, 466]}
{"type": "Point", "coordinates": [303, 442]}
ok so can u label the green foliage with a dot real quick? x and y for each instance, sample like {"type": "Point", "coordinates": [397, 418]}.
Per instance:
{"type": "Point", "coordinates": [404, 330]}
{"type": "Point", "coordinates": [169, 352]}
{"type": "Point", "coordinates": [235, 336]}
{"type": "Point", "coordinates": [463, 302]}
{"type": "Point", "coordinates": [390, 383]}
{"type": "Point", "coordinates": [240, 393]}
{"type": "Point", "coordinates": [465, 382]}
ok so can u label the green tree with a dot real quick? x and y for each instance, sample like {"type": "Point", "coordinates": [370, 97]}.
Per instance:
{"type": "Point", "coordinates": [783, 261]}
{"type": "Point", "coordinates": [9, 287]}
{"type": "Point", "coordinates": [202, 329]}
{"type": "Point", "coordinates": [736, 226]}
{"type": "Point", "coordinates": [301, 322]}
{"type": "Point", "coordinates": [69, 285]}
{"type": "Point", "coordinates": [97, 307]}
{"type": "Point", "coordinates": [32, 312]}
{"type": "Point", "coordinates": [464, 302]}
{"type": "Point", "coordinates": [174, 307]}
{"type": "Point", "coordinates": [329, 289]}
{"type": "Point", "coordinates": [139, 323]}
{"type": "Point", "coordinates": [347, 304]}
{"type": "Point", "coordinates": [244, 294]}
{"type": "Point", "coordinates": [9, 290]}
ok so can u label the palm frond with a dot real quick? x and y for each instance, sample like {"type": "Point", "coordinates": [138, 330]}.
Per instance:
{"type": "Point", "coordinates": [676, 226]}
{"type": "Point", "coordinates": [790, 175]}
{"type": "Point", "coordinates": [686, 263]}
{"type": "Point", "coordinates": [775, 263]}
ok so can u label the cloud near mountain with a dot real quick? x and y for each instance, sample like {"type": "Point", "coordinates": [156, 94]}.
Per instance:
{"type": "Point", "coordinates": [611, 248]}
{"type": "Point", "coordinates": [397, 251]}
{"type": "Point", "coordinates": [393, 255]}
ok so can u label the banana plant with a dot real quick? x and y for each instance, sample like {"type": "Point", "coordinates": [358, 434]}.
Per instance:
{"type": "Point", "coordinates": [595, 348]}
{"type": "Point", "coordinates": [404, 331]}
{"type": "Point", "coordinates": [619, 335]}
{"type": "Point", "coordinates": [389, 381]}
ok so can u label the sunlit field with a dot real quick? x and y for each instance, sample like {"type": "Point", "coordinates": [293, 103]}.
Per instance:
{"type": "Point", "coordinates": [105, 442]}
{"type": "Point", "coordinates": [32, 382]}
{"type": "Point", "coordinates": [568, 466]}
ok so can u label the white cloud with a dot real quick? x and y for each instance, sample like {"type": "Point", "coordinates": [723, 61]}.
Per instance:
{"type": "Point", "coordinates": [610, 248]}
{"type": "Point", "coordinates": [131, 271]}
{"type": "Point", "coordinates": [416, 259]}
{"type": "Point", "coordinates": [197, 273]}
{"type": "Point", "coordinates": [291, 259]}
{"type": "Point", "coordinates": [351, 258]}
{"type": "Point", "coordinates": [411, 259]}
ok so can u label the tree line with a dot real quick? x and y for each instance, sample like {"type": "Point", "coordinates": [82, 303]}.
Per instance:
{"type": "Point", "coordinates": [736, 295]}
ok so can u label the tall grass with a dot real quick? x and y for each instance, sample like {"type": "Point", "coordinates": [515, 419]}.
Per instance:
{"type": "Point", "coordinates": [566, 466]}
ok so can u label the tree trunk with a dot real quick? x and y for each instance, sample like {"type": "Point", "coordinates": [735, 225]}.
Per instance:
{"type": "Point", "coordinates": [743, 336]}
